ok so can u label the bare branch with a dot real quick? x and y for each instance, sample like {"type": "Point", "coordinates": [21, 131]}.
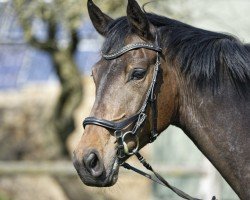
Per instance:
{"type": "Point", "coordinates": [26, 23]}
{"type": "Point", "coordinates": [52, 29]}
{"type": "Point", "coordinates": [74, 41]}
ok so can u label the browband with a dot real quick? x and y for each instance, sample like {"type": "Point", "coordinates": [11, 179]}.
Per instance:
{"type": "Point", "coordinates": [131, 47]}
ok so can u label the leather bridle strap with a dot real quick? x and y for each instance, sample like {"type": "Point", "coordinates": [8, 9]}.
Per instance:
{"type": "Point", "coordinates": [110, 124]}
{"type": "Point", "coordinates": [130, 47]}
{"type": "Point", "coordinates": [159, 180]}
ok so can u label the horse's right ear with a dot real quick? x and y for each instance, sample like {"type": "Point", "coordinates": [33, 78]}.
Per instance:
{"type": "Point", "coordinates": [98, 18]}
{"type": "Point", "coordinates": [138, 20]}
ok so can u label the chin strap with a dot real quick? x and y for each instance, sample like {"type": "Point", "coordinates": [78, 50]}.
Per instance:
{"type": "Point", "coordinates": [158, 178]}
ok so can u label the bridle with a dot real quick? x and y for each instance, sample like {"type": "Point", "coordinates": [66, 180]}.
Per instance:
{"type": "Point", "coordinates": [139, 118]}
{"type": "Point", "coordinates": [137, 121]}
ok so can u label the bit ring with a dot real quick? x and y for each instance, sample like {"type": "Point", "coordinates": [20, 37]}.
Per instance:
{"type": "Point", "coordinates": [125, 146]}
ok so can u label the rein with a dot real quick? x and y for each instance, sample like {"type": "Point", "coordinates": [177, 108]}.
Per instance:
{"type": "Point", "coordinates": [137, 120]}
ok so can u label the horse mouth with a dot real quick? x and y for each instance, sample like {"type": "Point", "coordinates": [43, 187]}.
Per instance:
{"type": "Point", "coordinates": [110, 179]}
{"type": "Point", "coordinates": [113, 175]}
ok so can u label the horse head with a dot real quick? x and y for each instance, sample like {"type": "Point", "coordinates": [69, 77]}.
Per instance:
{"type": "Point", "coordinates": [124, 80]}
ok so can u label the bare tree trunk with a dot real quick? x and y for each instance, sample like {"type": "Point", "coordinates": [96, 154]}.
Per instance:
{"type": "Point", "coordinates": [70, 96]}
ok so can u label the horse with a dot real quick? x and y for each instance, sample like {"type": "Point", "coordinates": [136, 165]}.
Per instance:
{"type": "Point", "coordinates": [248, 47]}
{"type": "Point", "coordinates": [155, 72]}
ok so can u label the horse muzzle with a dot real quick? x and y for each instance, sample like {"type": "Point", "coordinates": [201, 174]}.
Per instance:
{"type": "Point", "coordinates": [92, 171]}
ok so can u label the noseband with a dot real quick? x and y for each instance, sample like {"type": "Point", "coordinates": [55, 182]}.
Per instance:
{"type": "Point", "coordinates": [137, 121]}
{"type": "Point", "coordinates": [139, 118]}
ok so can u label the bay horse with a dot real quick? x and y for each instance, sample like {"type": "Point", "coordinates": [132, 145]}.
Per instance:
{"type": "Point", "coordinates": [156, 71]}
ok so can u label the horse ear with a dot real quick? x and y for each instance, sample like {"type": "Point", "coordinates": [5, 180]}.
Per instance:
{"type": "Point", "coordinates": [98, 18]}
{"type": "Point", "coordinates": [138, 20]}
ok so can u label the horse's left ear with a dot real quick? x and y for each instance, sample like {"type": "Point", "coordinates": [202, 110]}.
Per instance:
{"type": "Point", "coordinates": [139, 21]}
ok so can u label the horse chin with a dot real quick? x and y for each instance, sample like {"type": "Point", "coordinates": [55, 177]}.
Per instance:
{"type": "Point", "coordinates": [113, 175]}
{"type": "Point", "coordinates": [102, 182]}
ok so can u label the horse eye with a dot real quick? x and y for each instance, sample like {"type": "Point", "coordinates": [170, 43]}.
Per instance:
{"type": "Point", "coordinates": [138, 74]}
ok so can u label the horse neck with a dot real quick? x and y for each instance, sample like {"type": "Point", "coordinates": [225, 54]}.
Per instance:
{"type": "Point", "coordinates": [219, 125]}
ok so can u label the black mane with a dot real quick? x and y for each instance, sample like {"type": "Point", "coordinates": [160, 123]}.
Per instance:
{"type": "Point", "coordinates": [202, 55]}
{"type": "Point", "coordinates": [248, 47]}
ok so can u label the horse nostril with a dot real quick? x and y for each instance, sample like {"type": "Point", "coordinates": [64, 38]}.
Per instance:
{"type": "Point", "coordinates": [93, 164]}
{"type": "Point", "coordinates": [93, 161]}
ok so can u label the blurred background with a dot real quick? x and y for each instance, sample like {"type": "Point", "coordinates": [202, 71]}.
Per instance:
{"type": "Point", "coordinates": [47, 48]}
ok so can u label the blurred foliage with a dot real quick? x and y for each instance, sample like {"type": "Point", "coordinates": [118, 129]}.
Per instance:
{"type": "Point", "coordinates": [163, 7]}
{"type": "Point", "coordinates": [56, 15]}
{"type": "Point", "coordinates": [3, 197]}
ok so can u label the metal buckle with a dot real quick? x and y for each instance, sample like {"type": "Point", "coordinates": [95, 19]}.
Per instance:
{"type": "Point", "coordinates": [118, 134]}
{"type": "Point", "coordinates": [153, 136]}
{"type": "Point", "coordinates": [120, 152]}
{"type": "Point", "coordinates": [125, 146]}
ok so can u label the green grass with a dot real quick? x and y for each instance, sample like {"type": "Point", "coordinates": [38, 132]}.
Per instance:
{"type": "Point", "coordinates": [4, 197]}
